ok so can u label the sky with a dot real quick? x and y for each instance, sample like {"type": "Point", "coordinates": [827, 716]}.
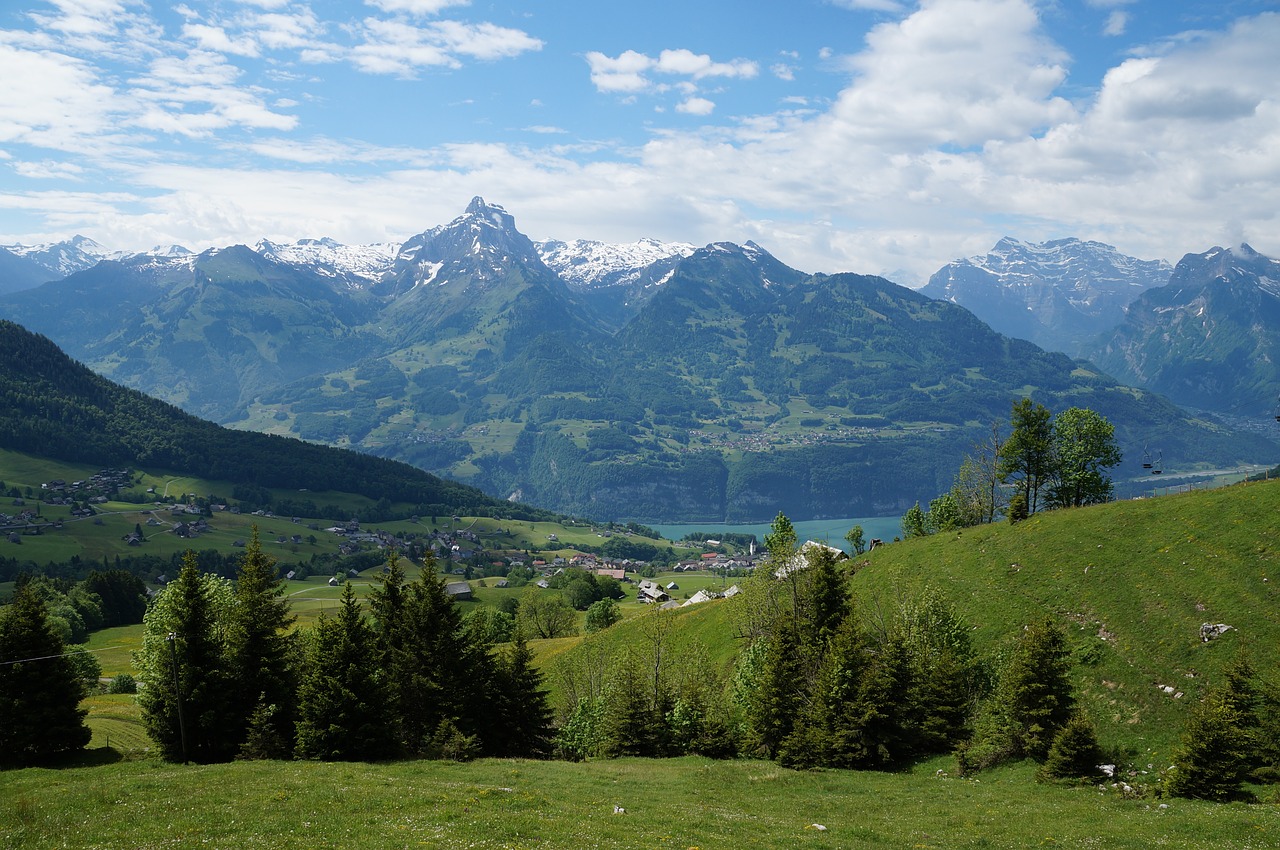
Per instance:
{"type": "Point", "coordinates": [874, 136]}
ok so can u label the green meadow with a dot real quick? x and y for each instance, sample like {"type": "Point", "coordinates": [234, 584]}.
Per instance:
{"type": "Point", "coordinates": [668, 804]}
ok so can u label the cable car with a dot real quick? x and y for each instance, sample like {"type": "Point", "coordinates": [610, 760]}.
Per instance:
{"type": "Point", "coordinates": [1157, 468]}
{"type": "Point", "coordinates": [1146, 459]}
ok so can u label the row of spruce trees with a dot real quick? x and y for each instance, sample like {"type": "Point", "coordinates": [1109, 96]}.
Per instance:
{"type": "Point", "coordinates": [225, 677]}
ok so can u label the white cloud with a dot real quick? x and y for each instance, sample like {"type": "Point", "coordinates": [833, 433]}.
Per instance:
{"type": "Point", "coordinates": [623, 74]}
{"type": "Point", "coordinates": [216, 38]}
{"type": "Point", "coordinates": [1117, 23]}
{"type": "Point", "coordinates": [396, 47]}
{"type": "Point", "coordinates": [48, 170]}
{"type": "Point", "coordinates": [415, 7]}
{"type": "Point", "coordinates": [783, 72]}
{"type": "Point", "coordinates": [699, 65]}
{"type": "Point", "coordinates": [872, 5]}
{"type": "Point", "coordinates": [696, 106]}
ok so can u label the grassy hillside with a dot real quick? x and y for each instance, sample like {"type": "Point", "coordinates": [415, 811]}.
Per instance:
{"type": "Point", "coordinates": [1131, 581]}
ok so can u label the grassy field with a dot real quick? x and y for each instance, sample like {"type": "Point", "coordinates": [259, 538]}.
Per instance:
{"type": "Point", "coordinates": [509, 805]}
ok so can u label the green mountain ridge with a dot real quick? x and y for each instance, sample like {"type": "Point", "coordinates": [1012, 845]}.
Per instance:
{"type": "Point", "coordinates": [54, 407]}
{"type": "Point", "coordinates": [736, 389]}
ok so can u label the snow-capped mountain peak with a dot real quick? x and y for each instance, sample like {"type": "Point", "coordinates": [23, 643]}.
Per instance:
{"type": "Point", "coordinates": [587, 264]}
{"type": "Point", "coordinates": [62, 258]}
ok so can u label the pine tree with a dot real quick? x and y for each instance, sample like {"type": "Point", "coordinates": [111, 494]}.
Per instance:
{"type": "Point", "coordinates": [1036, 688]}
{"type": "Point", "coordinates": [776, 696]}
{"type": "Point", "coordinates": [522, 727]}
{"type": "Point", "coordinates": [260, 655]}
{"type": "Point", "coordinates": [1032, 701]}
{"type": "Point", "coordinates": [186, 697]}
{"type": "Point", "coordinates": [1213, 759]}
{"type": "Point", "coordinates": [344, 704]}
{"type": "Point", "coordinates": [40, 714]}
{"type": "Point", "coordinates": [1075, 753]}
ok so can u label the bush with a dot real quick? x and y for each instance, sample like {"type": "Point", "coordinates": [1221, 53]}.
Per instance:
{"type": "Point", "coordinates": [123, 684]}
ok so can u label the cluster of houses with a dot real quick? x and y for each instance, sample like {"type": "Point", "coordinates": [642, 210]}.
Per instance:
{"type": "Point", "coordinates": [96, 488]}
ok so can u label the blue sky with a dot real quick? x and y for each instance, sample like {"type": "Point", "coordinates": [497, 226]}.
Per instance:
{"type": "Point", "coordinates": [877, 136]}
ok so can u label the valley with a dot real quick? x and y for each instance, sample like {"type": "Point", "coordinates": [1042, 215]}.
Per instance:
{"type": "Point", "coordinates": [654, 382]}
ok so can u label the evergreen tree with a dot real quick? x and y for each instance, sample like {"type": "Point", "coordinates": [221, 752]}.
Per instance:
{"type": "Point", "coordinates": [1032, 701]}
{"type": "Point", "coordinates": [434, 673]}
{"type": "Point", "coordinates": [344, 704]}
{"type": "Point", "coordinates": [123, 595]}
{"type": "Point", "coordinates": [40, 714]}
{"type": "Point", "coordinates": [261, 656]}
{"type": "Point", "coordinates": [942, 672]}
{"type": "Point", "coordinates": [1036, 688]}
{"type": "Point", "coordinates": [1213, 759]}
{"type": "Point", "coordinates": [1026, 457]}
{"type": "Point", "coordinates": [633, 725]}
{"type": "Point", "coordinates": [188, 713]}
{"type": "Point", "coordinates": [522, 727]}
{"type": "Point", "coordinates": [1075, 753]}
{"type": "Point", "coordinates": [776, 696]}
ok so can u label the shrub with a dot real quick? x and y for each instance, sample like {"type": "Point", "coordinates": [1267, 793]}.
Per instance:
{"type": "Point", "coordinates": [123, 684]}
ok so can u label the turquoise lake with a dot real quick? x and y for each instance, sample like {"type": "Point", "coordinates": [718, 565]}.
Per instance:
{"type": "Point", "coordinates": [829, 531]}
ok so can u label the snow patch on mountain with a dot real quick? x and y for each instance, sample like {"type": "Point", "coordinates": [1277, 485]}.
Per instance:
{"type": "Point", "coordinates": [587, 264]}
{"type": "Point", "coordinates": [62, 258]}
{"type": "Point", "coordinates": [356, 264]}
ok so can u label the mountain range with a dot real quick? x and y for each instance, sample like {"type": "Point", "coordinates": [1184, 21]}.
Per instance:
{"type": "Point", "coordinates": [1060, 294]}
{"type": "Point", "coordinates": [655, 381]}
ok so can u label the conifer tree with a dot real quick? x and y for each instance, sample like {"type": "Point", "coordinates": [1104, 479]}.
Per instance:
{"type": "Point", "coordinates": [1075, 753]}
{"type": "Point", "coordinates": [40, 714]}
{"type": "Point", "coordinates": [186, 697]}
{"type": "Point", "coordinates": [434, 673]}
{"type": "Point", "coordinates": [261, 655]}
{"type": "Point", "coordinates": [1036, 688]}
{"type": "Point", "coordinates": [522, 722]}
{"type": "Point", "coordinates": [823, 602]}
{"type": "Point", "coordinates": [632, 726]}
{"type": "Point", "coordinates": [1032, 701]}
{"type": "Point", "coordinates": [776, 697]}
{"type": "Point", "coordinates": [940, 673]}
{"type": "Point", "coordinates": [344, 704]}
{"type": "Point", "coordinates": [1213, 759]}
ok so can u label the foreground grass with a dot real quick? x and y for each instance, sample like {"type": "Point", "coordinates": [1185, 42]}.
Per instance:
{"type": "Point", "coordinates": [679, 803]}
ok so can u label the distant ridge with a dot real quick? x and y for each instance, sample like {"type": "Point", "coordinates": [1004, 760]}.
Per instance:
{"type": "Point", "coordinates": [57, 408]}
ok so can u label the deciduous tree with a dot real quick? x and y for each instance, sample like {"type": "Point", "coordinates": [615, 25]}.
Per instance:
{"type": "Point", "coordinates": [1084, 448]}
{"type": "Point", "coordinates": [1026, 458]}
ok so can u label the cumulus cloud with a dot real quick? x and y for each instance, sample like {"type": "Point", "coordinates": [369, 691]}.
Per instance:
{"type": "Point", "coordinates": [950, 130]}
{"type": "Point", "coordinates": [629, 71]}
{"type": "Point", "coordinates": [1117, 23]}
{"type": "Point", "coordinates": [696, 106]}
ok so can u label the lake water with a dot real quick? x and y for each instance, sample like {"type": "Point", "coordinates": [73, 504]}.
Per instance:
{"type": "Point", "coordinates": [829, 531]}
